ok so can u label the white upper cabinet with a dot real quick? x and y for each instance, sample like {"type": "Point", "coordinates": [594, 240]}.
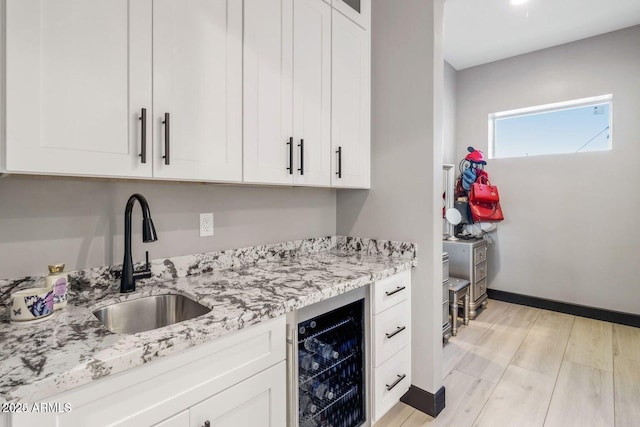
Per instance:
{"type": "Point", "coordinates": [268, 68]}
{"type": "Point", "coordinates": [351, 104]}
{"type": "Point", "coordinates": [358, 11]}
{"type": "Point", "coordinates": [287, 92]}
{"type": "Point", "coordinates": [197, 82]}
{"type": "Point", "coordinates": [256, 91]}
{"type": "Point", "coordinates": [78, 74]}
{"type": "Point", "coordinates": [85, 76]}
{"type": "Point", "coordinates": [312, 92]}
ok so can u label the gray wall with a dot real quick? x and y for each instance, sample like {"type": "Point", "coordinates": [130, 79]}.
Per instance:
{"type": "Point", "coordinates": [449, 115]}
{"type": "Point", "coordinates": [406, 160]}
{"type": "Point", "coordinates": [570, 231]}
{"type": "Point", "coordinates": [80, 222]}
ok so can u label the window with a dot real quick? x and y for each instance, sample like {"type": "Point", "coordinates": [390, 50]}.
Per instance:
{"type": "Point", "coordinates": [566, 127]}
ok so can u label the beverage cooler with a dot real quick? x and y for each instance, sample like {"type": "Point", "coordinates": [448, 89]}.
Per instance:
{"type": "Point", "coordinates": [328, 379]}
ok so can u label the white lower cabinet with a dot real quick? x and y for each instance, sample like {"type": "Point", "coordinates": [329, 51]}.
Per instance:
{"type": "Point", "coordinates": [392, 332]}
{"type": "Point", "coordinates": [178, 420]}
{"type": "Point", "coordinates": [391, 338]}
{"type": "Point", "coordinates": [391, 380]}
{"type": "Point", "coordinates": [255, 402]}
{"type": "Point", "coordinates": [237, 380]}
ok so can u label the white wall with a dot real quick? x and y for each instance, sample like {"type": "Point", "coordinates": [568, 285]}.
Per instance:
{"type": "Point", "coordinates": [449, 115]}
{"type": "Point", "coordinates": [406, 160]}
{"type": "Point", "coordinates": [570, 231]}
{"type": "Point", "coordinates": [81, 221]}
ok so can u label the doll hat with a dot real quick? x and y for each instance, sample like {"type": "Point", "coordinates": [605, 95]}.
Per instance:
{"type": "Point", "coordinates": [475, 156]}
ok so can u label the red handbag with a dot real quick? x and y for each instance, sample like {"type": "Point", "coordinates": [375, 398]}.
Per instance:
{"type": "Point", "coordinates": [482, 191]}
{"type": "Point", "coordinates": [485, 212]}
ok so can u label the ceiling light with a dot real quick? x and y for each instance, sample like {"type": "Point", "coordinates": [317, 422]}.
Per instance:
{"type": "Point", "coordinates": [518, 2]}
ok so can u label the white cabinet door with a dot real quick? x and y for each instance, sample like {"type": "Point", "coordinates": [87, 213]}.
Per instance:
{"type": "Point", "coordinates": [178, 420]}
{"type": "Point", "coordinates": [391, 381]}
{"type": "Point", "coordinates": [391, 332]}
{"type": "Point", "coordinates": [312, 92]}
{"type": "Point", "coordinates": [197, 81]}
{"type": "Point", "coordinates": [351, 99]}
{"type": "Point", "coordinates": [267, 93]}
{"type": "Point", "coordinates": [358, 11]}
{"type": "Point", "coordinates": [259, 401]}
{"type": "Point", "coordinates": [78, 73]}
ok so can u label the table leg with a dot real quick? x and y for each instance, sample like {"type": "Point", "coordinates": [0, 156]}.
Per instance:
{"type": "Point", "coordinates": [454, 315]}
{"type": "Point", "coordinates": [466, 308]}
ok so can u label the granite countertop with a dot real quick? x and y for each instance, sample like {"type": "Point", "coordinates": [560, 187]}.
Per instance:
{"type": "Point", "coordinates": [40, 360]}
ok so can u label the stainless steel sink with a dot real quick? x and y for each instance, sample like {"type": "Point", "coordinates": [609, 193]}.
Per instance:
{"type": "Point", "coordinates": [149, 313]}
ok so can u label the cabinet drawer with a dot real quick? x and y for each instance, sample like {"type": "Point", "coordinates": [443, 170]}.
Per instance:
{"type": "Point", "coordinates": [151, 393]}
{"type": "Point", "coordinates": [259, 401]}
{"type": "Point", "coordinates": [391, 290]}
{"type": "Point", "coordinates": [178, 420]}
{"type": "Point", "coordinates": [445, 292]}
{"type": "Point", "coordinates": [480, 254]}
{"type": "Point", "coordinates": [480, 271]}
{"type": "Point", "coordinates": [445, 270]}
{"type": "Point", "coordinates": [445, 313]}
{"type": "Point", "coordinates": [392, 329]}
{"type": "Point", "coordinates": [390, 381]}
{"type": "Point", "coordinates": [480, 288]}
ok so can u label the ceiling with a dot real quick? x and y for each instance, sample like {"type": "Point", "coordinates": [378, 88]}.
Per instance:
{"type": "Point", "coordinates": [481, 31]}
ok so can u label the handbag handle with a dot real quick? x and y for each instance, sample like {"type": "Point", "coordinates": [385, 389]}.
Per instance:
{"type": "Point", "coordinates": [482, 179]}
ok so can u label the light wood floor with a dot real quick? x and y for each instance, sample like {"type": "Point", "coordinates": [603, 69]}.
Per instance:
{"type": "Point", "coordinates": [518, 366]}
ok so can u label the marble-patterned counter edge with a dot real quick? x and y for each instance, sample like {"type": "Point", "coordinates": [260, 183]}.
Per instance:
{"type": "Point", "coordinates": [187, 265]}
{"type": "Point", "coordinates": [376, 247]}
{"type": "Point", "coordinates": [121, 352]}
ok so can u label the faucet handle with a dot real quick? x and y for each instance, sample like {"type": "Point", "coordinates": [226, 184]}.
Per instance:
{"type": "Point", "coordinates": [146, 272]}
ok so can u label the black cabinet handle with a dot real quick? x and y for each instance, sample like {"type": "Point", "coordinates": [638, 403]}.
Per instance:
{"type": "Point", "coordinates": [301, 168]}
{"type": "Point", "coordinates": [143, 135]}
{"type": "Point", "coordinates": [396, 290]}
{"type": "Point", "coordinates": [339, 173]}
{"type": "Point", "coordinates": [207, 424]}
{"type": "Point", "coordinates": [290, 167]}
{"type": "Point", "coordinates": [167, 136]}
{"type": "Point", "coordinates": [396, 332]}
{"type": "Point", "coordinates": [396, 382]}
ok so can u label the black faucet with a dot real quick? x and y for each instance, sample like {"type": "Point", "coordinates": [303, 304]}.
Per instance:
{"type": "Point", "coordinates": [127, 281]}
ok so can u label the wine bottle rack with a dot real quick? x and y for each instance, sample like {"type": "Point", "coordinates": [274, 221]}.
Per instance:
{"type": "Point", "coordinates": [326, 330]}
{"type": "Point", "coordinates": [343, 331]}
{"type": "Point", "coordinates": [325, 405]}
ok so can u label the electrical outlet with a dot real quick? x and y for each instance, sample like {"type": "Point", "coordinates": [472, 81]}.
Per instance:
{"type": "Point", "coordinates": [206, 224]}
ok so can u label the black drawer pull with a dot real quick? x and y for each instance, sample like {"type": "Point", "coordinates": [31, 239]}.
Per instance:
{"type": "Point", "coordinates": [398, 289]}
{"type": "Point", "coordinates": [290, 167]}
{"type": "Point", "coordinates": [301, 168]}
{"type": "Point", "coordinates": [167, 136]}
{"type": "Point", "coordinates": [143, 135]}
{"type": "Point", "coordinates": [396, 332]}
{"type": "Point", "coordinates": [396, 382]}
{"type": "Point", "coordinates": [339, 172]}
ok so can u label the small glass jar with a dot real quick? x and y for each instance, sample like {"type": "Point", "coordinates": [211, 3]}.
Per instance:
{"type": "Point", "coordinates": [58, 281]}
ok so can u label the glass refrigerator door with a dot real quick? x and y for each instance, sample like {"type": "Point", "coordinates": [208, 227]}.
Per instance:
{"type": "Point", "coordinates": [331, 376]}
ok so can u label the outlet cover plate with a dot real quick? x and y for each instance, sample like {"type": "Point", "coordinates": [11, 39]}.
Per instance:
{"type": "Point", "coordinates": [206, 224]}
